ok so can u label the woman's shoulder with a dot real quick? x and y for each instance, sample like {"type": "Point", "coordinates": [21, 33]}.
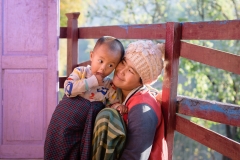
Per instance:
{"type": "Point", "coordinates": [144, 97]}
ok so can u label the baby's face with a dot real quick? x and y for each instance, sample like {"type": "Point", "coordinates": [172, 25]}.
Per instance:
{"type": "Point", "coordinates": [104, 60]}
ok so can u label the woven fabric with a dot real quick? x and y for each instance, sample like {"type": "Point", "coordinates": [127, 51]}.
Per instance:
{"type": "Point", "coordinates": [109, 135]}
{"type": "Point", "coordinates": [69, 133]}
{"type": "Point", "coordinates": [147, 59]}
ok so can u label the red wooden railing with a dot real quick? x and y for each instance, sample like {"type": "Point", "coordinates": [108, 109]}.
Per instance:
{"type": "Point", "coordinates": [174, 106]}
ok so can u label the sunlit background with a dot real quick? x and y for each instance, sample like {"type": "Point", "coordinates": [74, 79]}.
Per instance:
{"type": "Point", "coordinates": [195, 80]}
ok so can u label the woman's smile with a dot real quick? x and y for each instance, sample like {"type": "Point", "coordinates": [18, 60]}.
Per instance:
{"type": "Point", "coordinates": [118, 77]}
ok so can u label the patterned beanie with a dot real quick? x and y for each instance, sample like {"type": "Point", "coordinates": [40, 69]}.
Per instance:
{"type": "Point", "coordinates": [147, 59]}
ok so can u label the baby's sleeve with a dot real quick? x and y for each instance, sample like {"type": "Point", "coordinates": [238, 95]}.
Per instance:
{"type": "Point", "coordinates": [77, 83]}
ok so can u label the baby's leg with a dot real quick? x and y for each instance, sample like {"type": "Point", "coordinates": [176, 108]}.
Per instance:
{"type": "Point", "coordinates": [66, 128]}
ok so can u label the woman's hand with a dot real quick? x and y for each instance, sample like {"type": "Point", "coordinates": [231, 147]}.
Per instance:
{"type": "Point", "coordinates": [159, 97]}
{"type": "Point", "coordinates": [122, 109]}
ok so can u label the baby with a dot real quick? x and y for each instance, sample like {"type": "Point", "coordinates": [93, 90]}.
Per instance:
{"type": "Point", "coordinates": [69, 133]}
{"type": "Point", "coordinates": [91, 82]}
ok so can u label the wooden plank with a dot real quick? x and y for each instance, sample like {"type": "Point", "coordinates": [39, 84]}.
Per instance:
{"type": "Point", "coordinates": [208, 138]}
{"type": "Point", "coordinates": [24, 61]}
{"type": "Point", "coordinates": [34, 152]}
{"type": "Point", "coordinates": [170, 81]}
{"type": "Point", "coordinates": [141, 31]}
{"type": "Point", "coordinates": [61, 81]}
{"type": "Point", "coordinates": [210, 110]}
{"type": "Point", "coordinates": [63, 32]}
{"type": "Point", "coordinates": [212, 57]}
{"type": "Point", "coordinates": [72, 41]}
{"type": "Point", "coordinates": [212, 30]}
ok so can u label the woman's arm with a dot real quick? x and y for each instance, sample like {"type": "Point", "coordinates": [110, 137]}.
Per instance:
{"type": "Point", "coordinates": [142, 124]}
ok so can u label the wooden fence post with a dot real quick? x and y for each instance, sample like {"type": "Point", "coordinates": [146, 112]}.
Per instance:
{"type": "Point", "coordinates": [72, 41]}
{"type": "Point", "coordinates": [170, 81]}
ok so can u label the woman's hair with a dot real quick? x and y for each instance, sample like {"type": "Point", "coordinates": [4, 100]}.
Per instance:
{"type": "Point", "coordinates": [113, 44]}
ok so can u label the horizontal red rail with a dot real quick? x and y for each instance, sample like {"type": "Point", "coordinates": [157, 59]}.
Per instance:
{"type": "Point", "coordinates": [61, 81]}
{"type": "Point", "coordinates": [142, 31]}
{"type": "Point", "coordinates": [212, 30]}
{"type": "Point", "coordinates": [208, 138]}
{"type": "Point", "coordinates": [209, 110]}
{"type": "Point", "coordinates": [215, 58]}
{"type": "Point", "coordinates": [63, 32]}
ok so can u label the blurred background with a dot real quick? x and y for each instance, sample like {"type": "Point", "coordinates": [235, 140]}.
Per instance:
{"type": "Point", "coordinates": [195, 80]}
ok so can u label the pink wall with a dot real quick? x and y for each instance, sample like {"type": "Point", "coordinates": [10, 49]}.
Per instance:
{"type": "Point", "coordinates": [28, 54]}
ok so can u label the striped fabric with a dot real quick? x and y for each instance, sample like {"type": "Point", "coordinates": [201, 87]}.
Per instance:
{"type": "Point", "coordinates": [69, 134]}
{"type": "Point", "coordinates": [109, 135]}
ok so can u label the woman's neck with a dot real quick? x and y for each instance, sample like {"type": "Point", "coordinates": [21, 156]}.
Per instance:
{"type": "Point", "coordinates": [125, 93]}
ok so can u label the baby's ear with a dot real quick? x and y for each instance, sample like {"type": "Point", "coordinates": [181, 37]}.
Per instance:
{"type": "Point", "coordinates": [91, 55]}
{"type": "Point", "coordinates": [159, 97]}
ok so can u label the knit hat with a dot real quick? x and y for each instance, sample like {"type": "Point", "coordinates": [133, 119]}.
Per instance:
{"type": "Point", "coordinates": [147, 59]}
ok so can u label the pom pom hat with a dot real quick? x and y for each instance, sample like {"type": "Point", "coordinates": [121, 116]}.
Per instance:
{"type": "Point", "coordinates": [147, 59]}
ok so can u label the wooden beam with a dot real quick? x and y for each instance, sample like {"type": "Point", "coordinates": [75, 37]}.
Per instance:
{"type": "Point", "coordinates": [141, 31]}
{"type": "Point", "coordinates": [61, 81]}
{"type": "Point", "coordinates": [72, 41]}
{"type": "Point", "coordinates": [63, 32]}
{"type": "Point", "coordinates": [210, 110]}
{"type": "Point", "coordinates": [211, 57]}
{"type": "Point", "coordinates": [212, 30]}
{"type": "Point", "coordinates": [170, 81]}
{"type": "Point", "coordinates": [208, 138]}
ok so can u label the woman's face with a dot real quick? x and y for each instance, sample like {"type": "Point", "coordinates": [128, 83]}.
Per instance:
{"type": "Point", "coordinates": [126, 77]}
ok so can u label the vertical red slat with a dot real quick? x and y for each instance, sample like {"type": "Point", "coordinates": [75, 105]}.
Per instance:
{"type": "Point", "coordinates": [170, 81]}
{"type": "Point", "coordinates": [72, 41]}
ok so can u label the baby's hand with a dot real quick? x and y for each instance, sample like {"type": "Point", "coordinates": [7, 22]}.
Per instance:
{"type": "Point", "coordinates": [100, 79]}
{"type": "Point", "coordinates": [122, 109]}
{"type": "Point", "coordinates": [159, 97]}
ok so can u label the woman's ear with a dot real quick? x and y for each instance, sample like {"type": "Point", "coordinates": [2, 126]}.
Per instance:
{"type": "Point", "coordinates": [140, 80]}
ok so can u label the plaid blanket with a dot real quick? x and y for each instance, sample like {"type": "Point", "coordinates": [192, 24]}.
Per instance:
{"type": "Point", "coordinates": [109, 135]}
{"type": "Point", "coordinates": [69, 133]}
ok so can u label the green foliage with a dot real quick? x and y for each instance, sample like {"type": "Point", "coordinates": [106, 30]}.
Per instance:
{"type": "Point", "coordinates": [127, 12]}
{"type": "Point", "coordinates": [208, 82]}
{"type": "Point", "coordinates": [69, 6]}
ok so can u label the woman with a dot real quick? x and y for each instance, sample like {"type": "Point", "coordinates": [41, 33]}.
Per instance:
{"type": "Point", "coordinates": [141, 66]}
